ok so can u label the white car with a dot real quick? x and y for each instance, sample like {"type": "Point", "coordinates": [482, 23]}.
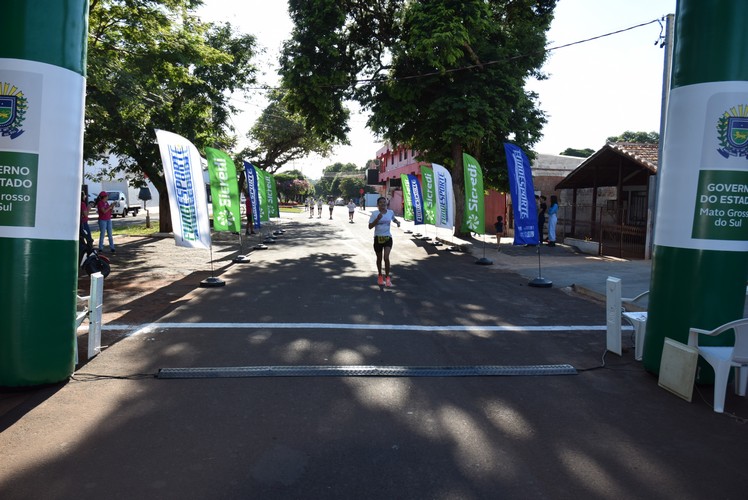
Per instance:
{"type": "Point", "coordinates": [119, 204]}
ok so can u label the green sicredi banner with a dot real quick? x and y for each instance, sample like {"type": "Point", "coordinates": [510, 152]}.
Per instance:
{"type": "Point", "coordinates": [273, 205]}
{"type": "Point", "coordinates": [407, 202]}
{"type": "Point", "coordinates": [262, 194]}
{"type": "Point", "coordinates": [475, 214]}
{"type": "Point", "coordinates": [428, 185]}
{"type": "Point", "coordinates": [224, 190]}
{"type": "Point", "coordinates": [700, 257]}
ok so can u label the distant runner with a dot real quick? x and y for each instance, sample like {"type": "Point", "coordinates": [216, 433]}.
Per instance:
{"type": "Point", "coordinates": [351, 210]}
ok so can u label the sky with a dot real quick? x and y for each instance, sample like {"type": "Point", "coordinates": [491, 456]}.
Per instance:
{"type": "Point", "coordinates": [594, 90]}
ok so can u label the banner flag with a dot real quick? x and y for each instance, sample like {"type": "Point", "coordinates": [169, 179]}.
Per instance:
{"type": "Point", "coordinates": [416, 199]}
{"type": "Point", "coordinates": [523, 196]}
{"type": "Point", "coordinates": [253, 193]}
{"type": "Point", "coordinates": [475, 212]}
{"type": "Point", "coordinates": [445, 197]}
{"type": "Point", "coordinates": [429, 194]}
{"type": "Point", "coordinates": [274, 208]}
{"type": "Point", "coordinates": [407, 200]}
{"type": "Point", "coordinates": [183, 174]}
{"type": "Point", "coordinates": [224, 189]}
{"type": "Point", "coordinates": [262, 193]}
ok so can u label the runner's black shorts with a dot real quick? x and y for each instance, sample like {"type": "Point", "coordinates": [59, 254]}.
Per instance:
{"type": "Point", "coordinates": [381, 242]}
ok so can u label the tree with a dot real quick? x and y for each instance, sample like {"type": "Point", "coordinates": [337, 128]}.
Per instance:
{"type": "Point", "coordinates": [280, 137]}
{"type": "Point", "coordinates": [580, 153]}
{"type": "Point", "coordinates": [445, 76]}
{"type": "Point", "coordinates": [339, 179]}
{"type": "Point", "coordinates": [629, 136]}
{"type": "Point", "coordinates": [292, 185]}
{"type": "Point", "coordinates": [153, 65]}
{"type": "Point", "coordinates": [350, 187]}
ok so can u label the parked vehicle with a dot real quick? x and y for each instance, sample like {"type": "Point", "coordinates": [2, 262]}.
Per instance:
{"type": "Point", "coordinates": [120, 207]}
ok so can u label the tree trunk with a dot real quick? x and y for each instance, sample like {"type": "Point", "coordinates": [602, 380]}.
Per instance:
{"type": "Point", "coordinates": [458, 185]}
{"type": "Point", "coordinates": [164, 211]}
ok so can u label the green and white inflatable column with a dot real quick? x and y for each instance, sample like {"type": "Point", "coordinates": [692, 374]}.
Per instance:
{"type": "Point", "coordinates": [42, 88]}
{"type": "Point", "coordinates": [700, 263]}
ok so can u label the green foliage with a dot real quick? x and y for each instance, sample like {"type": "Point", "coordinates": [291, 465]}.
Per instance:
{"type": "Point", "coordinates": [579, 153]}
{"type": "Point", "coordinates": [629, 136]}
{"type": "Point", "coordinates": [315, 62]}
{"type": "Point", "coordinates": [446, 76]}
{"type": "Point", "coordinates": [341, 180]}
{"type": "Point", "coordinates": [293, 186]}
{"type": "Point", "coordinates": [280, 137]}
{"type": "Point", "coordinates": [153, 65]}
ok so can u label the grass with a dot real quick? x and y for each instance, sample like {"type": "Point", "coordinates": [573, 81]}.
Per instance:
{"type": "Point", "coordinates": [134, 230]}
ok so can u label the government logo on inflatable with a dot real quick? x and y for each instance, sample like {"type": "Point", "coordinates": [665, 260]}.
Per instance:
{"type": "Point", "coordinates": [732, 130]}
{"type": "Point", "coordinates": [13, 107]}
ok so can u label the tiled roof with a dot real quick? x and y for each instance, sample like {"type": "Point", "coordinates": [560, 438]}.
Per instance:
{"type": "Point", "coordinates": [554, 165]}
{"type": "Point", "coordinates": [615, 161]}
{"type": "Point", "coordinates": [641, 152]}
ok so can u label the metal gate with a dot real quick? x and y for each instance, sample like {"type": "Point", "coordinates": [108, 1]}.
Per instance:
{"type": "Point", "coordinates": [620, 234]}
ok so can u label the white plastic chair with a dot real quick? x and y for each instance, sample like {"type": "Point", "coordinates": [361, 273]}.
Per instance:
{"type": "Point", "coordinates": [638, 320]}
{"type": "Point", "coordinates": [724, 358]}
{"type": "Point", "coordinates": [633, 300]}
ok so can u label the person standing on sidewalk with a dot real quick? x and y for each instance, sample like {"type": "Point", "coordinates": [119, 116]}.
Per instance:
{"type": "Point", "coordinates": [542, 207]}
{"type": "Point", "coordinates": [85, 229]}
{"type": "Point", "coordinates": [380, 220]}
{"type": "Point", "coordinates": [552, 220]}
{"type": "Point", "coordinates": [499, 227]}
{"type": "Point", "coordinates": [104, 210]}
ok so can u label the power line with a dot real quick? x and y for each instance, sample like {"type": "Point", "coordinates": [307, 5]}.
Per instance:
{"type": "Point", "coordinates": [490, 63]}
{"type": "Point", "coordinates": [367, 81]}
{"type": "Point", "coordinates": [267, 88]}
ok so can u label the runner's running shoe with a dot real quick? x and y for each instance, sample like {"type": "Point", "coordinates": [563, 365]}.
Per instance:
{"type": "Point", "coordinates": [389, 281]}
{"type": "Point", "coordinates": [380, 280]}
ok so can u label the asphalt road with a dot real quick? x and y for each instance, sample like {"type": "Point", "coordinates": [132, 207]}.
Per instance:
{"type": "Point", "coordinates": [311, 299]}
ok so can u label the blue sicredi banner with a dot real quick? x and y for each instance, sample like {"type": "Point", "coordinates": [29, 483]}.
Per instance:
{"type": "Point", "coordinates": [523, 196]}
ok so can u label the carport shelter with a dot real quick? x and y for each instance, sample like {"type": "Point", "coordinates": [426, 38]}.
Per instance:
{"type": "Point", "coordinates": [609, 198]}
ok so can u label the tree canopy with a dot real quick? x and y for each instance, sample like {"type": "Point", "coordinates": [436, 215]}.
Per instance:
{"type": "Point", "coordinates": [629, 136]}
{"type": "Point", "coordinates": [293, 185]}
{"type": "Point", "coordinates": [341, 180]}
{"type": "Point", "coordinates": [580, 153]}
{"type": "Point", "coordinates": [444, 76]}
{"type": "Point", "coordinates": [153, 65]}
{"type": "Point", "coordinates": [280, 137]}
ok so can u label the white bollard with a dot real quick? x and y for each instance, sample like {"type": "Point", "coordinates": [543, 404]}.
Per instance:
{"type": "Point", "coordinates": [95, 308]}
{"type": "Point", "coordinates": [613, 314]}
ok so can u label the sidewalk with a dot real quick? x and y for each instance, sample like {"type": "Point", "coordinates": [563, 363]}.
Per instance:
{"type": "Point", "coordinates": [570, 269]}
{"type": "Point", "coordinates": [563, 265]}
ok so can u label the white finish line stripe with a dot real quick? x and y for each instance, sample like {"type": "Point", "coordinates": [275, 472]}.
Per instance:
{"type": "Point", "coordinates": [151, 327]}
